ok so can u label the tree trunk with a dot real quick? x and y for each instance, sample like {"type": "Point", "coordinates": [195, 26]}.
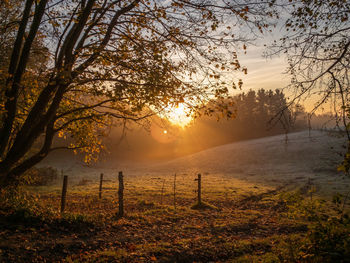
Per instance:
{"type": "Point", "coordinates": [5, 131]}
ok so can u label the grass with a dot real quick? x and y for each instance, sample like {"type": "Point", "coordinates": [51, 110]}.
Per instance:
{"type": "Point", "coordinates": [202, 206]}
{"type": "Point", "coordinates": [237, 222]}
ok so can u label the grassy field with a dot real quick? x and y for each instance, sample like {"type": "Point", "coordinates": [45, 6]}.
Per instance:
{"type": "Point", "coordinates": [243, 222]}
{"type": "Point", "coordinates": [263, 203]}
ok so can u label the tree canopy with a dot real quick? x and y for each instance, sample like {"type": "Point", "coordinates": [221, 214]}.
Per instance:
{"type": "Point", "coordinates": [76, 65]}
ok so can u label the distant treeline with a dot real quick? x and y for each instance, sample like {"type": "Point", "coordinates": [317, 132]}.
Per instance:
{"type": "Point", "coordinates": [258, 114]}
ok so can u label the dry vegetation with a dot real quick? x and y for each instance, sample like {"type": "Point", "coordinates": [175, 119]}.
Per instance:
{"type": "Point", "coordinates": [252, 212]}
{"type": "Point", "coordinates": [243, 223]}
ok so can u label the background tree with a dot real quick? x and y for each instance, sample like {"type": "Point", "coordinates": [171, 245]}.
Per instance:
{"type": "Point", "coordinates": [253, 111]}
{"type": "Point", "coordinates": [112, 59]}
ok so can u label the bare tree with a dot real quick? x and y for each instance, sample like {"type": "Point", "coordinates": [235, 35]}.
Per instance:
{"type": "Point", "coordinates": [317, 43]}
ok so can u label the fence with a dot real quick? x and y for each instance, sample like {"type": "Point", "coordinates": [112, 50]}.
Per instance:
{"type": "Point", "coordinates": [120, 212]}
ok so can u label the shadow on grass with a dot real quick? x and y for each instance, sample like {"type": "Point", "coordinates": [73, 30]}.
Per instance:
{"type": "Point", "coordinates": [203, 206]}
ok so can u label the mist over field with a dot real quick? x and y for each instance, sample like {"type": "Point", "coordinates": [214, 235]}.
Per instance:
{"type": "Point", "coordinates": [269, 161]}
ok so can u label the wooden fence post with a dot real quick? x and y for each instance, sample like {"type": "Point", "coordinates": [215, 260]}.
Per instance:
{"type": "Point", "coordinates": [120, 194]}
{"type": "Point", "coordinates": [100, 190]}
{"type": "Point", "coordinates": [64, 193]}
{"type": "Point", "coordinates": [199, 188]}
{"type": "Point", "coordinates": [161, 197]}
{"type": "Point", "coordinates": [174, 191]}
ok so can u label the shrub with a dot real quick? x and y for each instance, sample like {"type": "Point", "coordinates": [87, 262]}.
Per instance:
{"type": "Point", "coordinates": [19, 207]}
{"type": "Point", "coordinates": [40, 176]}
{"type": "Point", "coordinates": [328, 236]}
{"type": "Point", "coordinates": [328, 241]}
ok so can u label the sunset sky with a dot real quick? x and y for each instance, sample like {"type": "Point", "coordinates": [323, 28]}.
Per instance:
{"type": "Point", "coordinates": [263, 73]}
{"type": "Point", "coordinates": [270, 73]}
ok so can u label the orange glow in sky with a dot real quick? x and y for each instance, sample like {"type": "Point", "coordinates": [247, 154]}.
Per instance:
{"type": "Point", "coordinates": [178, 115]}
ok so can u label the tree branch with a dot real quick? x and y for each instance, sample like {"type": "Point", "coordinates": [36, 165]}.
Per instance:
{"type": "Point", "coordinates": [106, 38]}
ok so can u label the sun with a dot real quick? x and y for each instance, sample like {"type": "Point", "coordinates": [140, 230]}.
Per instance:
{"type": "Point", "coordinates": [178, 115]}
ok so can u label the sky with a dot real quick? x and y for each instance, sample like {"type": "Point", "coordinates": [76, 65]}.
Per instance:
{"type": "Point", "coordinates": [263, 73]}
{"type": "Point", "coordinates": [270, 72]}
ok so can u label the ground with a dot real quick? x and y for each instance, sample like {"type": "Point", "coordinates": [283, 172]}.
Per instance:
{"type": "Point", "coordinates": [233, 226]}
{"type": "Point", "coordinates": [247, 218]}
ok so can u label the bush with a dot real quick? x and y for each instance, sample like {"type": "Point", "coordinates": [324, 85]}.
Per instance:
{"type": "Point", "coordinates": [328, 241]}
{"type": "Point", "coordinates": [328, 236]}
{"type": "Point", "coordinates": [40, 176]}
{"type": "Point", "coordinates": [19, 207]}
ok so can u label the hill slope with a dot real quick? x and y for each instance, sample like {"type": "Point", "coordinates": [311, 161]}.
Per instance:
{"type": "Point", "coordinates": [271, 161]}
{"type": "Point", "coordinates": [266, 161]}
